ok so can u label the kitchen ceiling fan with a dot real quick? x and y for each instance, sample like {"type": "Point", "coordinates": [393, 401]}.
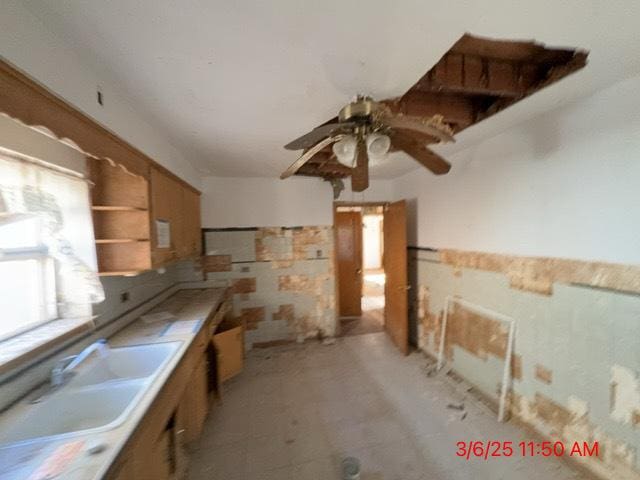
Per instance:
{"type": "Point", "coordinates": [365, 131]}
{"type": "Point", "coordinates": [475, 79]}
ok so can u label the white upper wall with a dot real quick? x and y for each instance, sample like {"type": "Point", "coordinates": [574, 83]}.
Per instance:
{"type": "Point", "coordinates": [269, 202]}
{"type": "Point", "coordinates": [29, 45]}
{"type": "Point", "coordinates": [564, 184]}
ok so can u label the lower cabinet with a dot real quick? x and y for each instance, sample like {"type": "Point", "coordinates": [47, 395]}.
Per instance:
{"type": "Point", "coordinates": [158, 449]}
{"type": "Point", "coordinates": [194, 405]}
{"type": "Point", "coordinates": [229, 343]}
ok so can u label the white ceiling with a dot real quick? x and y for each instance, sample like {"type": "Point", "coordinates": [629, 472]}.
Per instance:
{"type": "Point", "coordinates": [234, 81]}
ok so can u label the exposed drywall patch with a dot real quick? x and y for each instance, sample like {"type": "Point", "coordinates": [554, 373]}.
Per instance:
{"type": "Point", "coordinates": [216, 263]}
{"type": "Point", "coordinates": [578, 407]}
{"type": "Point", "coordinates": [561, 332]}
{"type": "Point", "coordinates": [252, 316]}
{"type": "Point", "coordinates": [429, 323]}
{"type": "Point", "coordinates": [243, 285]}
{"type": "Point", "coordinates": [516, 367]}
{"type": "Point", "coordinates": [307, 241]}
{"type": "Point", "coordinates": [285, 244]}
{"type": "Point", "coordinates": [551, 413]}
{"type": "Point", "coordinates": [543, 286]}
{"type": "Point", "coordinates": [537, 274]}
{"type": "Point", "coordinates": [616, 459]}
{"type": "Point", "coordinates": [273, 244]}
{"type": "Point", "coordinates": [625, 401]}
{"type": "Point", "coordinates": [291, 278]}
{"type": "Point", "coordinates": [475, 333]}
{"type": "Point", "coordinates": [295, 283]}
{"type": "Point", "coordinates": [281, 264]}
{"type": "Point", "coordinates": [543, 374]}
{"type": "Point", "coordinates": [285, 312]}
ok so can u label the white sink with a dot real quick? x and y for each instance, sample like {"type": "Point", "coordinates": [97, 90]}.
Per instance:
{"type": "Point", "coordinates": [74, 411]}
{"type": "Point", "coordinates": [98, 398]}
{"type": "Point", "coordinates": [139, 361]}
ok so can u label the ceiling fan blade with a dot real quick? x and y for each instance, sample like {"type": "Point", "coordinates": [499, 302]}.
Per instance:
{"type": "Point", "coordinates": [420, 153]}
{"type": "Point", "coordinates": [314, 136]}
{"type": "Point", "coordinates": [360, 172]}
{"type": "Point", "coordinates": [295, 166]}
{"type": "Point", "coordinates": [432, 126]}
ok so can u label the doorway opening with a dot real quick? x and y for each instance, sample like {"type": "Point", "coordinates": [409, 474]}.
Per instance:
{"type": "Point", "coordinates": [360, 267]}
{"type": "Point", "coordinates": [371, 269]}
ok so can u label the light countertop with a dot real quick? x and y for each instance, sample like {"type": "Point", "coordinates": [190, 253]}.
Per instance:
{"type": "Point", "coordinates": [21, 461]}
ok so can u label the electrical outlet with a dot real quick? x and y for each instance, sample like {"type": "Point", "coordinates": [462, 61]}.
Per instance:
{"type": "Point", "coordinates": [245, 269]}
{"type": "Point", "coordinates": [124, 297]}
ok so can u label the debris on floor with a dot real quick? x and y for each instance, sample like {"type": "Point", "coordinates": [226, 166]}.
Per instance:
{"type": "Point", "coordinates": [350, 468]}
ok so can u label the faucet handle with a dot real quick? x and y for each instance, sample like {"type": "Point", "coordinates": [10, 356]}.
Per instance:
{"type": "Point", "coordinates": [57, 373]}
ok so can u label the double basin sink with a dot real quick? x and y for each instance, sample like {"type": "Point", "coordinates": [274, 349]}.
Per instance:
{"type": "Point", "coordinates": [99, 397]}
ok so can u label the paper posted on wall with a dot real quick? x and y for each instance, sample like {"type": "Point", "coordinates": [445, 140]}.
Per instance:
{"type": "Point", "coordinates": [163, 234]}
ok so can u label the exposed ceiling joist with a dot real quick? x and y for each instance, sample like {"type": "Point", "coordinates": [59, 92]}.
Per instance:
{"type": "Point", "coordinates": [477, 78]}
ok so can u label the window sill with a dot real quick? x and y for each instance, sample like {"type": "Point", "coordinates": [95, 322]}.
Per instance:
{"type": "Point", "coordinates": [27, 346]}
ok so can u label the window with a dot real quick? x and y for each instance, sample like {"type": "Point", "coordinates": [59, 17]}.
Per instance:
{"type": "Point", "coordinates": [47, 253]}
{"type": "Point", "coordinates": [27, 274]}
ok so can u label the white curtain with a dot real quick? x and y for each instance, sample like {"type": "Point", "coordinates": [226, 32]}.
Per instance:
{"type": "Point", "coordinates": [58, 204]}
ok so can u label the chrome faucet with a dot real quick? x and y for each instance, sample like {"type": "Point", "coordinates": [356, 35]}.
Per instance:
{"type": "Point", "coordinates": [64, 366]}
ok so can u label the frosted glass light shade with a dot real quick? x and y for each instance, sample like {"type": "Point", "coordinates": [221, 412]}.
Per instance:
{"type": "Point", "coordinates": [378, 145]}
{"type": "Point", "coordinates": [345, 150]}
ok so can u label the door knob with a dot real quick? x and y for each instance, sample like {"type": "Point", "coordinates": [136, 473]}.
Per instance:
{"type": "Point", "coordinates": [404, 287]}
{"type": "Point", "coordinates": [358, 271]}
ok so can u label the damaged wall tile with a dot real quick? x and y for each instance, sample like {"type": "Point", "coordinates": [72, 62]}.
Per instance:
{"type": "Point", "coordinates": [625, 401]}
{"type": "Point", "coordinates": [252, 316]}
{"type": "Point", "coordinates": [575, 367]}
{"type": "Point", "coordinates": [543, 374]}
{"type": "Point", "coordinates": [294, 280]}
{"type": "Point", "coordinates": [216, 263]}
{"type": "Point", "coordinates": [243, 285]}
{"type": "Point", "coordinates": [537, 274]}
{"type": "Point", "coordinates": [478, 335]}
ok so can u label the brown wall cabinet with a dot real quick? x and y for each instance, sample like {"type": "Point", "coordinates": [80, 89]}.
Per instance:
{"type": "Point", "coordinates": [126, 211]}
{"type": "Point", "coordinates": [175, 208]}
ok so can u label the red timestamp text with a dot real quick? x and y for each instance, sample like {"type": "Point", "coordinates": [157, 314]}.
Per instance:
{"type": "Point", "coordinates": [489, 449]}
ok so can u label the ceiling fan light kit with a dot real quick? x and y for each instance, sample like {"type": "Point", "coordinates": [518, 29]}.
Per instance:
{"type": "Point", "coordinates": [345, 150]}
{"type": "Point", "coordinates": [378, 145]}
{"type": "Point", "coordinates": [475, 79]}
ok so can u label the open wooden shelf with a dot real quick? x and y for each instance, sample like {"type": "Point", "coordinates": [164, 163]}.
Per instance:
{"type": "Point", "coordinates": [120, 240]}
{"type": "Point", "coordinates": [121, 273]}
{"type": "Point", "coordinates": [116, 208]}
{"type": "Point", "coordinates": [125, 209]}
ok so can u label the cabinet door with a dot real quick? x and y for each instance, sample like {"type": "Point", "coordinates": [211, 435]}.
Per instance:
{"type": "Point", "coordinates": [166, 204]}
{"type": "Point", "coordinates": [194, 404]}
{"type": "Point", "coordinates": [151, 458]}
{"type": "Point", "coordinates": [230, 347]}
{"type": "Point", "coordinates": [122, 471]}
{"type": "Point", "coordinates": [192, 236]}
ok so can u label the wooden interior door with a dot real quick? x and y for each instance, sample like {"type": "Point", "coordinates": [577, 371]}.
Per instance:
{"type": "Point", "coordinates": [348, 227]}
{"type": "Point", "coordinates": [395, 268]}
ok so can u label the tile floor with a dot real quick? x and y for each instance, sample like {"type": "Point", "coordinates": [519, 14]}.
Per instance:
{"type": "Point", "coordinates": [297, 410]}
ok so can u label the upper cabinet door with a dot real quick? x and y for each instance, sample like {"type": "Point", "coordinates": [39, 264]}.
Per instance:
{"type": "Point", "coordinates": [165, 203]}
{"type": "Point", "coordinates": [192, 233]}
{"type": "Point", "coordinates": [175, 208]}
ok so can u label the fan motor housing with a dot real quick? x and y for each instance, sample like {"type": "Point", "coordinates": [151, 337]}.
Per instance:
{"type": "Point", "coordinates": [359, 111]}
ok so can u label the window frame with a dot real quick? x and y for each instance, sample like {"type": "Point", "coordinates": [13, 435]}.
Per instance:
{"type": "Point", "coordinates": [46, 282]}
